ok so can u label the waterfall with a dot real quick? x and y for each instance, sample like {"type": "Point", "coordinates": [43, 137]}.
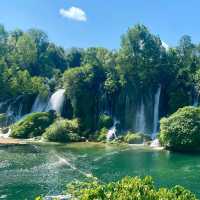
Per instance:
{"type": "Point", "coordinates": [156, 112]}
{"type": "Point", "coordinates": [140, 119]}
{"type": "Point", "coordinates": [196, 101]}
{"type": "Point", "coordinates": [56, 101]}
{"type": "Point", "coordinates": [39, 105]}
{"type": "Point", "coordinates": [19, 114]}
{"type": "Point", "coordinates": [112, 131]}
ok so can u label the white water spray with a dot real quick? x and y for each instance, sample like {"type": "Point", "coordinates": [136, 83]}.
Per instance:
{"type": "Point", "coordinates": [56, 101]}
{"type": "Point", "coordinates": [63, 161]}
{"type": "Point", "coordinates": [112, 131]}
{"type": "Point", "coordinates": [156, 112]}
{"type": "Point", "coordinates": [140, 118]}
{"type": "Point", "coordinates": [5, 135]}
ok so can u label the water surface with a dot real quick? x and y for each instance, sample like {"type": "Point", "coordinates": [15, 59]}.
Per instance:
{"type": "Point", "coordinates": [29, 170]}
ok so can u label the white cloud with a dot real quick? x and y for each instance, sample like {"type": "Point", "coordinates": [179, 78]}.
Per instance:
{"type": "Point", "coordinates": [74, 13]}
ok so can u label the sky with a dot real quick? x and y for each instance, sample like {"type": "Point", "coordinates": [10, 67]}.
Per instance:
{"type": "Point", "coordinates": [100, 23]}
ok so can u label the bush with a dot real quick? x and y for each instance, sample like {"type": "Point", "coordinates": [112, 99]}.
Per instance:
{"type": "Point", "coordinates": [135, 138]}
{"type": "Point", "coordinates": [32, 125]}
{"type": "Point", "coordinates": [105, 121]}
{"type": "Point", "coordinates": [127, 188]}
{"type": "Point", "coordinates": [102, 135]}
{"type": "Point", "coordinates": [63, 130]}
{"type": "Point", "coordinates": [180, 131]}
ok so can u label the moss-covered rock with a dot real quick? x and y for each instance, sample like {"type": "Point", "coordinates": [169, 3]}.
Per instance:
{"type": "Point", "coordinates": [32, 125]}
{"type": "Point", "coordinates": [181, 130]}
{"type": "Point", "coordinates": [63, 130]}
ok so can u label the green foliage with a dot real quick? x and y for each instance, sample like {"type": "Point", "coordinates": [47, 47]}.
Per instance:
{"type": "Point", "coordinates": [97, 79]}
{"type": "Point", "coordinates": [180, 131]}
{"type": "Point", "coordinates": [127, 188]}
{"type": "Point", "coordinates": [26, 51]}
{"type": "Point", "coordinates": [63, 130]}
{"type": "Point", "coordinates": [135, 138]}
{"type": "Point", "coordinates": [83, 89]}
{"type": "Point", "coordinates": [131, 138]}
{"type": "Point", "coordinates": [74, 57]}
{"type": "Point", "coordinates": [32, 125]}
{"type": "Point", "coordinates": [197, 81]}
{"type": "Point", "coordinates": [140, 57]}
{"type": "Point", "coordinates": [102, 135]}
{"type": "Point", "coordinates": [105, 121]}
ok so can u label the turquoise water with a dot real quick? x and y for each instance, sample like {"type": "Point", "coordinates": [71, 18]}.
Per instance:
{"type": "Point", "coordinates": [29, 170]}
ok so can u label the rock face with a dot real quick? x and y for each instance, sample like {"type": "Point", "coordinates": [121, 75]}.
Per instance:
{"type": "Point", "coordinates": [58, 197]}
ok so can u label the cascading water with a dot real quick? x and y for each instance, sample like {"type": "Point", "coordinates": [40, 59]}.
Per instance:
{"type": "Point", "coordinates": [39, 105]}
{"type": "Point", "coordinates": [196, 101]}
{"type": "Point", "coordinates": [140, 118]}
{"type": "Point", "coordinates": [56, 101]}
{"type": "Point", "coordinates": [156, 113]}
{"type": "Point", "coordinates": [19, 114]}
{"type": "Point", "coordinates": [112, 131]}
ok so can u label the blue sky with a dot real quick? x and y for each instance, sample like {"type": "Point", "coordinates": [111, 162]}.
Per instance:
{"type": "Point", "coordinates": [84, 23]}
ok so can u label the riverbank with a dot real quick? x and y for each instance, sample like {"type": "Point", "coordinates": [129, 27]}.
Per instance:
{"type": "Point", "coordinates": [13, 141]}
{"type": "Point", "coordinates": [4, 141]}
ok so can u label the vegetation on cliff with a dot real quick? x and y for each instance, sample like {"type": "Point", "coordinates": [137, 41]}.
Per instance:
{"type": "Point", "coordinates": [180, 131]}
{"type": "Point", "coordinates": [98, 80]}
{"type": "Point", "coordinates": [63, 130]}
{"type": "Point", "coordinates": [32, 125]}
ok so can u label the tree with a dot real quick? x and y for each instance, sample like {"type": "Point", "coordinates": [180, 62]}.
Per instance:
{"type": "Point", "coordinates": [26, 52]}
{"type": "Point", "coordinates": [74, 57]}
{"type": "Point", "coordinates": [3, 40]}
{"type": "Point", "coordinates": [83, 86]}
{"type": "Point", "coordinates": [140, 57]}
{"type": "Point", "coordinates": [55, 57]}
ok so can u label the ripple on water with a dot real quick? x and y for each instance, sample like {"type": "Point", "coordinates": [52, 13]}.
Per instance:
{"type": "Point", "coordinates": [4, 164]}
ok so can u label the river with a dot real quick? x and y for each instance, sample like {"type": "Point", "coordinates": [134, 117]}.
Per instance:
{"type": "Point", "coordinates": [32, 169]}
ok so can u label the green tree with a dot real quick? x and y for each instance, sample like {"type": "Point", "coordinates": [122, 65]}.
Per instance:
{"type": "Point", "coordinates": [26, 52]}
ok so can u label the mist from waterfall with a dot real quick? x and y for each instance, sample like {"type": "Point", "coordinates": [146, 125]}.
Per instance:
{"type": "Point", "coordinates": [140, 123]}
{"type": "Point", "coordinates": [56, 101]}
{"type": "Point", "coordinates": [156, 112]}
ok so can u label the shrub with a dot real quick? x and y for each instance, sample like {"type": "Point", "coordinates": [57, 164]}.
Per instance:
{"type": "Point", "coordinates": [32, 125]}
{"type": "Point", "coordinates": [105, 121]}
{"type": "Point", "coordinates": [180, 131]}
{"type": "Point", "coordinates": [63, 130]}
{"type": "Point", "coordinates": [102, 135]}
{"type": "Point", "coordinates": [133, 138]}
{"type": "Point", "coordinates": [127, 188]}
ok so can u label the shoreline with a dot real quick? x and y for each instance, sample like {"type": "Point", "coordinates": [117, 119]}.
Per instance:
{"type": "Point", "coordinates": [6, 141]}
{"type": "Point", "coordinates": [13, 141]}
